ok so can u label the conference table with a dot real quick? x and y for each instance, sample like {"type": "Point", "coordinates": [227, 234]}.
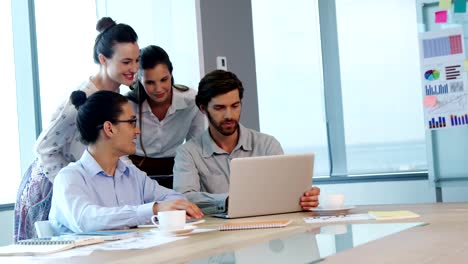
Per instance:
{"type": "Point", "coordinates": [439, 235]}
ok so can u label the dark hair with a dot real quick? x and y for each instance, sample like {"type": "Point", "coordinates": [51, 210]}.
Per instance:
{"type": "Point", "coordinates": [150, 56]}
{"type": "Point", "coordinates": [111, 33]}
{"type": "Point", "coordinates": [93, 111]}
{"type": "Point", "coordinates": [215, 83]}
{"type": "Point", "coordinates": [153, 55]}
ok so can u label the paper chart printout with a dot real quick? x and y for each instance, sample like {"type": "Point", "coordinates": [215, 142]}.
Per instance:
{"type": "Point", "coordinates": [337, 218]}
{"type": "Point", "coordinates": [444, 79]}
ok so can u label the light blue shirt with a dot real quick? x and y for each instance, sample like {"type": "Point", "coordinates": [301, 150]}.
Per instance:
{"type": "Point", "coordinates": [85, 198]}
{"type": "Point", "coordinates": [183, 121]}
{"type": "Point", "coordinates": [202, 168]}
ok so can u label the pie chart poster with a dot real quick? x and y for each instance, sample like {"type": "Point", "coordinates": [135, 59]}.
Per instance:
{"type": "Point", "coordinates": [444, 80]}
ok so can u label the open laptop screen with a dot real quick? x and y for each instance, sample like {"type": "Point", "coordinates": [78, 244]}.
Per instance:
{"type": "Point", "coordinates": [268, 184]}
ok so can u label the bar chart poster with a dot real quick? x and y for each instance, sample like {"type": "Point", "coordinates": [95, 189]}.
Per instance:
{"type": "Point", "coordinates": [444, 80]}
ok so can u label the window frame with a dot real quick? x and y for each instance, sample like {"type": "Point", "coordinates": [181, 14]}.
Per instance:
{"type": "Point", "coordinates": [334, 107]}
{"type": "Point", "coordinates": [27, 81]}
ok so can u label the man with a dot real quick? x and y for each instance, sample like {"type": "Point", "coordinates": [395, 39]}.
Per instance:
{"type": "Point", "coordinates": [201, 169]}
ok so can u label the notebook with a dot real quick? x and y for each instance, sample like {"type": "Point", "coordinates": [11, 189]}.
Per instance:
{"type": "Point", "coordinates": [268, 184]}
{"type": "Point", "coordinates": [254, 225]}
{"type": "Point", "coordinates": [47, 245]}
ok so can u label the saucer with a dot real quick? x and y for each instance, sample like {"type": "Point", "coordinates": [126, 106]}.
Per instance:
{"type": "Point", "coordinates": [335, 211]}
{"type": "Point", "coordinates": [175, 232]}
{"type": "Point", "coordinates": [189, 222]}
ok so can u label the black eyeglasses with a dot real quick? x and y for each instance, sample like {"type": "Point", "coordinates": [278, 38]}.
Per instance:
{"type": "Point", "coordinates": [132, 121]}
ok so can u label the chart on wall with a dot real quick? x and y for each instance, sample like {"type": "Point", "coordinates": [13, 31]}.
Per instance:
{"type": "Point", "coordinates": [444, 79]}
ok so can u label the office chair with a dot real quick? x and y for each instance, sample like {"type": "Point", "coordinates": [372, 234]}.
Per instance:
{"type": "Point", "coordinates": [32, 203]}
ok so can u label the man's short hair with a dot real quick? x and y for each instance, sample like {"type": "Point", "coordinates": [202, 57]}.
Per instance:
{"type": "Point", "coordinates": [216, 83]}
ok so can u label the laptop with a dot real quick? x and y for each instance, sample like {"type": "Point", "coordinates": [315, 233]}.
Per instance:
{"type": "Point", "coordinates": [268, 184]}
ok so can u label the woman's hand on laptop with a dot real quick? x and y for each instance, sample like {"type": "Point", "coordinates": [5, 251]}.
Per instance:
{"type": "Point", "coordinates": [192, 210]}
{"type": "Point", "coordinates": [310, 198]}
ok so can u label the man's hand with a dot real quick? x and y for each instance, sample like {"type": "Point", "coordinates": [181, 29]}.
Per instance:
{"type": "Point", "coordinates": [310, 198]}
{"type": "Point", "coordinates": [191, 209]}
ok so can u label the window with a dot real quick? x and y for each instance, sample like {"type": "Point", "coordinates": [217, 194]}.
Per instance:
{"type": "Point", "coordinates": [10, 155]}
{"type": "Point", "coordinates": [65, 41]}
{"type": "Point", "coordinates": [289, 76]}
{"type": "Point", "coordinates": [380, 88]}
{"type": "Point", "coordinates": [379, 60]}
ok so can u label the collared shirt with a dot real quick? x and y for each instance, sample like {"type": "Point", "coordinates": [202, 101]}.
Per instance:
{"type": "Point", "coordinates": [85, 198]}
{"type": "Point", "coordinates": [59, 144]}
{"type": "Point", "coordinates": [183, 121]}
{"type": "Point", "coordinates": [202, 168]}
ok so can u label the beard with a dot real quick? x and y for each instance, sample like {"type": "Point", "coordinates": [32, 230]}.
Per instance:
{"type": "Point", "coordinates": [219, 126]}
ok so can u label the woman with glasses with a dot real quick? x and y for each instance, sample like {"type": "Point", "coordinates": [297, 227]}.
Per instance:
{"type": "Point", "coordinates": [116, 51]}
{"type": "Point", "coordinates": [167, 113]}
{"type": "Point", "coordinates": [100, 191]}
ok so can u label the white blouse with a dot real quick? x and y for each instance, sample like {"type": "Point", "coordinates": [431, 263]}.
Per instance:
{"type": "Point", "coordinates": [59, 144]}
{"type": "Point", "coordinates": [183, 121]}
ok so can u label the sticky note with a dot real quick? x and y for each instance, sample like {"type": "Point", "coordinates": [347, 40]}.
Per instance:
{"type": "Point", "coordinates": [465, 64]}
{"type": "Point", "coordinates": [441, 16]}
{"type": "Point", "coordinates": [445, 4]}
{"type": "Point", "coordinates": [430, 101]}
{"type": "Point", "coordinates": [459, 6]}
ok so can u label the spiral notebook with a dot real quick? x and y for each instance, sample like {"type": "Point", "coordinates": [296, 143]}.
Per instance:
{"type": "Point", "coordinates": [254, 225]}
{"type": "Point", "coordinates": [47, 245]}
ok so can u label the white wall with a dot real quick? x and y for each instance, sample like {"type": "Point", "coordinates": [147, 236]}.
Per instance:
{"type": "Point", "coordinates": [226, 30]}
{"type": "Point", "coordinates": [6, 229]}
{"type": "Point", "coordinates": [168, 24]}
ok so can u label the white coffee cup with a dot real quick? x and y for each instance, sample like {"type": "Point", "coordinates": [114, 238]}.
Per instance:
{"type": "Point", "coordinates": [332, 201]}
{"type": "Point", "coordinates": [169, 220]}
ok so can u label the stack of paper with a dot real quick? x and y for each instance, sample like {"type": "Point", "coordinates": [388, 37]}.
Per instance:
{"type": "Point", "coordinates": [392, 215]}
{"type": "Point", "coordinates": [337, 218]}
